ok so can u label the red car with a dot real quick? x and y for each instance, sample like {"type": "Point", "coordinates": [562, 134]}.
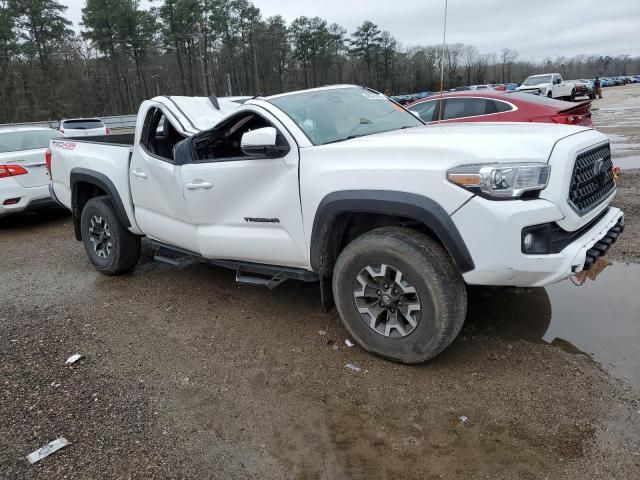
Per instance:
{"type": "Point", "coordinates": [499, 106]}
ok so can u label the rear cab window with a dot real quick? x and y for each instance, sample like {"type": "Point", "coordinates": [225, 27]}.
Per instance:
{"type": "Point", "coordinates": [26, 140]}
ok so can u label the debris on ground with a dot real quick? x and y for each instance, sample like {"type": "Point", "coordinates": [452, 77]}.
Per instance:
{"type": "Point", "coordinates": [73, 359]}
{"type": "Point", "coordinates": [47, 450]}
{"type": "Point", "coordinates": [348, 343]}
{"type": "Point", "coordinates": [354, 367]}
{"type": "Point", "coordinates": [322, 332]}
{"type": "Point", "coordinates": [463, 418]}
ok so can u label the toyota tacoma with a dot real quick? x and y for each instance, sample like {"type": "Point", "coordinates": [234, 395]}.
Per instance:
{"type": "Point", "coordinates": [342, 186]}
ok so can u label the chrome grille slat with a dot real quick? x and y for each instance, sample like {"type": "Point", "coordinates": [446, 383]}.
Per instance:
{"type": "Point", "coordinates": [586, 190]}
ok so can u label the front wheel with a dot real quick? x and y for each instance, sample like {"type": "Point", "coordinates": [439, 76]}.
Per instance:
{"type": "Point", "coordinates": [109, 245]}
{"type": "Point", "coordinates": [399, 294]}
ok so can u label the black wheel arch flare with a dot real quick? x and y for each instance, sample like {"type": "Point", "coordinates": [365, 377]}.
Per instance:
{"type": "Point", "coordinates": [81, 176]}
{"type": "Point", "coordinates": [418, 208]}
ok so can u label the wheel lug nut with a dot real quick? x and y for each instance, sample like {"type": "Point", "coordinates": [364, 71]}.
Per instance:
{"type": "Point", "coordinates": [381, 304]}
{"type": "Point", "coordinates": [395, 291]}
{"type": "Point", "coordinates": [386, 286]}
{"type": "Point", "coordinates": [399, 304]}
{"type": "Point", "coordinates": [378, 292]}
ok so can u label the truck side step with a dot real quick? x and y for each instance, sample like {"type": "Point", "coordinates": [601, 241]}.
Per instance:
{"type": "Point", "coordinates": [172, 259]}
{"type": "Point", "coordinates": [254, 279]}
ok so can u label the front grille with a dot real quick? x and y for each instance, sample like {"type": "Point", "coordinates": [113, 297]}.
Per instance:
{"type": "Point", "coordinates": [592, 180]}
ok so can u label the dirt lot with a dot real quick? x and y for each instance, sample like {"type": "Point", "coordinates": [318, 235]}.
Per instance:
{"type": "Point", "coordinates": [186, 375]}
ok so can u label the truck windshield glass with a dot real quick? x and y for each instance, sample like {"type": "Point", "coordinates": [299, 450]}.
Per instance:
{"type": "Point", "coordinates": [537, 80]}
{"type": "Point", "coordinates": [334, 115]}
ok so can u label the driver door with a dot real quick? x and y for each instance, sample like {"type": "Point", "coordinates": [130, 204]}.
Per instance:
{"type": "Point", "coordinates": [246, 208]}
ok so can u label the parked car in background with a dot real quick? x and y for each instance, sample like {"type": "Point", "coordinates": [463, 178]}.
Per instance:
{"type": "Point", "coordinates": [548, 85]}
{"type": "Point", "coordinates": [497, 106]}
{"type": "Point", "coordinates": [83, 127]}
{"type": "Point", "coordinates": [584, 88]}
{"type": "Point", "coordinates": [24, 184]}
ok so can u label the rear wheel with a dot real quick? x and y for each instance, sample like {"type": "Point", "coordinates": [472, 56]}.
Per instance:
{"type": "Point", "coordinates": [109, 245]}
{"type": "Point", "coordinates": [573, 96]}
{"type": "Point", "coordinates": [399, 294]}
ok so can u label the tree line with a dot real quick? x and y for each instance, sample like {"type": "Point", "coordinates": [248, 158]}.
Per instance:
{"type": "Point", "coordinates": [124, 54]}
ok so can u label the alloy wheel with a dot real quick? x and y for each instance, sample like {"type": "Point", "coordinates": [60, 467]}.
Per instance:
{"type": "Point", "coordinates": [387, 302]}
{"type": "Point", "coordinates": [100, 236]}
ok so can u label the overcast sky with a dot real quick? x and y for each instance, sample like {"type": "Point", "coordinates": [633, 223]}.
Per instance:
{"type": "Point", "coordinates": [535, 28]}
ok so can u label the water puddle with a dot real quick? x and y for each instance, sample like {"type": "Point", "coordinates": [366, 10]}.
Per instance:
{"type": "Point", "coordinates": [597, 313]}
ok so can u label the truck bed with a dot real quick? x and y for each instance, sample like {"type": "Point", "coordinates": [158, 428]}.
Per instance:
{"type": "Point", "coordinates": [121, 139]}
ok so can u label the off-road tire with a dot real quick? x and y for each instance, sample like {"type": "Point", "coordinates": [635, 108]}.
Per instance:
{"type": "Point", "coordinates": [125, 246]}
{"type": "Point", "coordinates": [426, 266]}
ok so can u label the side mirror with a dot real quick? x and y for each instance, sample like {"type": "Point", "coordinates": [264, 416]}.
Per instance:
{"type": "Point", "coordinates": [262, 142]}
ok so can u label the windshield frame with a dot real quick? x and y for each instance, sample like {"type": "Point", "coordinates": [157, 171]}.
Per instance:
{"type": "Point", "coordinates": [341, 87]}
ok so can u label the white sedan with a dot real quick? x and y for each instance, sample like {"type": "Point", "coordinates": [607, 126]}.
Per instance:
{"type": "Point", "coordinates": [24, 183]}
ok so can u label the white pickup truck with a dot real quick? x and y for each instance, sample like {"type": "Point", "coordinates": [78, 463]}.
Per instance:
{"type": "Point", "coordinates": [549, 85]}
{"type": "Point", "coordinates": [343, 186]}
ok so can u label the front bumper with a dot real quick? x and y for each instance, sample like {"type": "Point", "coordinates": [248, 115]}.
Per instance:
{"type": "Point", "coordinates": [493, 235]}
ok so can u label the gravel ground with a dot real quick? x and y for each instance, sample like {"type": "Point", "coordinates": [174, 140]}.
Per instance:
{"type": "Point", "coordinates": [186, 375]}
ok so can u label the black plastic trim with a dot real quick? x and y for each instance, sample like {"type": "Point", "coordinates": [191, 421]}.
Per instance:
{"type": "Point", "coordinates": [603, 245]}
{"type": "Point", "coordinates": [551, 238]}
{"type": "Point", "coordinates": [416, 207]}
{"type": "Point", "coordinates": [257, 268]}
{"type": "Point", "coordinates": [83, 175]}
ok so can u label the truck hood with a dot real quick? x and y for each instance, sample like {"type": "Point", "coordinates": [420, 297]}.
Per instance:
{"type": "Point", "coordinates": [470, 142]}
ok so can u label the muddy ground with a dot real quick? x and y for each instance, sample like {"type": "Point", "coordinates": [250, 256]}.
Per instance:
{"type": "Point", "coordinates": [186, 375]}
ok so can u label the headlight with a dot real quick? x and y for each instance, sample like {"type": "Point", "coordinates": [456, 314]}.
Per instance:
{"type": "Point", "coordinates": [501, 181]}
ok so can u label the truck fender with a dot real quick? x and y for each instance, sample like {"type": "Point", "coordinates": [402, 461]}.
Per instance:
{"type": "Point", "coordinates": [84, 176]}
{"type": "Point", "coordinates": [407, 205]}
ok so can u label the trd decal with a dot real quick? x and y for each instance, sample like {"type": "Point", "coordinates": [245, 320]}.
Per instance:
{"type": "Point", "coordinates": [261, 220]}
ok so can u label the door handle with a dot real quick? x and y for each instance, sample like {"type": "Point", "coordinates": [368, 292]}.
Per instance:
{"type": "Point", "coordinates": [199, 185]}
{"type": "Point", "coordinates": [138, 173]}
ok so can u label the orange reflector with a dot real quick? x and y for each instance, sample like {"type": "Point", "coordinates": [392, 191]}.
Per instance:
{"type": "Point", "coordinates": [465, 179]}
